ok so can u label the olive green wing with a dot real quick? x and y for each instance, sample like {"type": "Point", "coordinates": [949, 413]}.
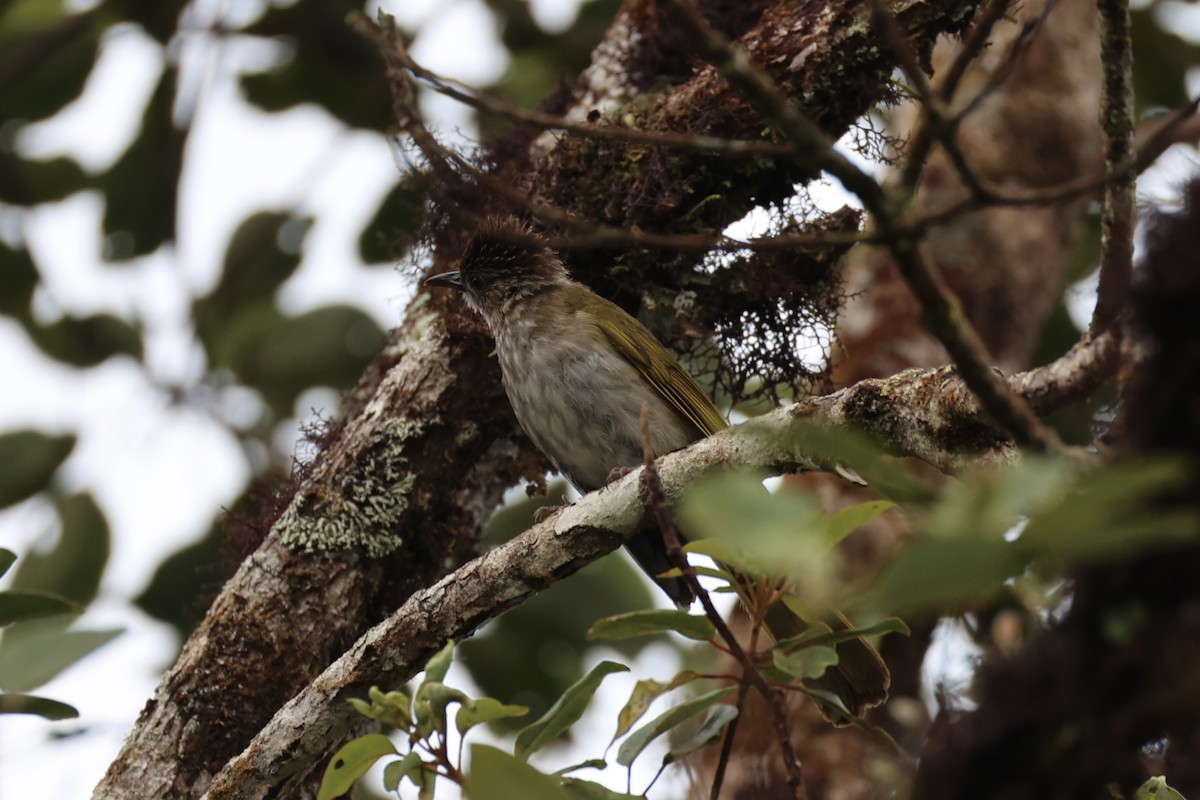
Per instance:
{"type": "Point", "coordinates": [656, 364]}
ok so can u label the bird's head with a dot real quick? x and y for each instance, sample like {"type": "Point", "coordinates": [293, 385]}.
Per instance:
{"type": "Point", "coordinates": [504, 262]}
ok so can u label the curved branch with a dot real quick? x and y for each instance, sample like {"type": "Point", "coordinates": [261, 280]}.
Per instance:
{"type": "Point", "coordinates": [929, 414]}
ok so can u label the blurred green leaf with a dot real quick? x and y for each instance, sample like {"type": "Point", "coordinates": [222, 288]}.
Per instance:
{"type": "Point", "coordinates": [637, 741]}
{"type": "Point", "coordinates": [255, 266]}
{"type": "Point", "coordinates": [714, 724]}
{"type": "Point", "coordinates": [28, 460]}
{"type": "Point", "coordinates": [26, 182]}
{"type": "Point", "coordinates": [45, 57]}
{"type": "Point", "coordinates": [495, 775]}
{"type": "Point", "coordinates": [887, 476]}
{"type": "Point", "coordinates": [409, 767]}
{"type": "Point", "coordinates": [17, 703]}
{"type": "Point", "coordinates": [485, 709]}
{"type": "Point", "coordinates": [390, 708]}
{"type": "Point", "coordinates": [944, 574]}
{"type": "Point", "coordinates": [590, 790]}
{"type": "Point", "coordinates": [176, 594]}
{"type": "Point", "coordinates": [75, 566]}
{"type": "Point", "coordinates": [32, 653]}
{"type": "Point", "coordinates": [351, 762]}
{"type": "Point", "coordinates": [848, 520]}
{"type": "Point", "coordinates": [7, 559]}
{"type": "Point", "coordinates": [282, 356]}
{"type": "Point", "coordinates": [648, 622]}
{"type": "Point", "coordinates": [988, 504]}
{"type": "Point", "coordinates": [430, 705]}
{"type": "Point", "coordinates": [439, 665]}
{"type": "Point", "coordinates": [395, 223]}
{"type": "Point", "coordinates": [20, 606]}
{"type": "Point", "coordinates": [774, 535]}
{"type": "Point", "coordinates": [1163, 57]}
{"type": "Point", "coordinates": [1111, 511]}
{"type": "Point", "coordinates": [87, 341]}
{"type": "Point", "coordinates": [566, 712]}
{"type": "Point", "coordinates": [141, 188]}
{"type": "Point", "coordinates": [330, 65]}
{"type": "Point", "coordinates": [821, 635]}
{"type": "Point", "coordinates": [810, 662]}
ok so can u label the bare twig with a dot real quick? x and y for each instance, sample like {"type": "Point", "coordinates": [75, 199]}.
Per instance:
{"type": "Point", "coordinates": [771, 695]}
{"type": "Point", "coordinates": [538, 119]}
{"type": "Point", "coordinates": [1116, 118]}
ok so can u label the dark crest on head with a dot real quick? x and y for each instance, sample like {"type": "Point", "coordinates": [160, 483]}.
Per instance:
{"type": "Point", "coordinates": [505, 251]}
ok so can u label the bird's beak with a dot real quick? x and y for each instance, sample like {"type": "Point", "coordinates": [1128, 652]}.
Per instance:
{"type": "Point", "coordinates": [451, 279]}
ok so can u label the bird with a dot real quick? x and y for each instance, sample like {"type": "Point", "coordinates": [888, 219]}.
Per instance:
{"type": "Point", "coordinates": [578, 371]}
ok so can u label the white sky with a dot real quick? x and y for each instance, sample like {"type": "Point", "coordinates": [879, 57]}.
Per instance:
{"type": "Point", "coordinates": [161, 471]}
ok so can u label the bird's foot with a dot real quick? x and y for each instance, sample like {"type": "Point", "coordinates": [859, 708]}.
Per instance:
{"type": "Point", "coordinates": [545, 512]}
{"type": "Point", "coordinates": [617, 474]}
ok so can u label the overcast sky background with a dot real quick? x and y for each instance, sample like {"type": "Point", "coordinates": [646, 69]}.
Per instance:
{"type": "Point", "coordinates": [160, 470]}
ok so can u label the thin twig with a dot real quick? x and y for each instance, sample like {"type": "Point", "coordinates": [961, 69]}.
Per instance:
{"type": "Point", "coordinates": [539, 119]}
{"type": "Point", "coordinates": [1116, 118]}
{"type": "Point", "coordinates": [770, 694]}
{"type": "Point", "coordinates": [972, 45]}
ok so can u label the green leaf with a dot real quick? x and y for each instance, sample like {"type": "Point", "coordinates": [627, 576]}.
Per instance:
{"type": "Point", "coordinates": [87, 341]}
{"type": "Point", "coordinates": [393, 225]}
{"type": "Point", "coordinates": [141, 188]}
{"type": "Point", "coordinates": [591, 763]}
{"type": "Point", "coordinates": [332, 66]}
{"type": "Point", "coordinates": [945, 574]}
{"type": "Point", "coordinates": [810, 662]}
{"type": "Point", "coordinates": [1111, 512]}
{"type": "Point", "coordinates": [74, 567]}
{"type": "Point", "coordinates": [637, 741]}
{"type": "Point", "coordinates": [848, 520]}
{"type": "Point", "coordinates": [590, 790]}
{"type": "Point", "coordinates": [495, 775]}
{"type": "Point", "coordinates": [822, 635]}
{"type": "Point", "coordinates": [33, 652]}
{"type": "Point", "coordinates": [776, 535]}
{"type": "Point", "coordinates": [645, 623]}
{"type": "Point", "coordinates": [643, 696]}
{"type": "Point", "coordinates": [566, 712]}
{"type": "Point", "coordinates": [986, 505]}
{"type": "Point", "coordinates": [17, 703]}
{"type": "Point", "coordinates": [28, 459]}
{"type": "Point", "coordinates": [714, 724]}
{"type": "Point", "coordinates": [432, 696]}
{"type": "Point", "coordinates": [1156, 788]}
{"type": "Point", "coordinates": [407, 767]}
{"type": "Point", "coordinates": [390, 708]}
{"type": "Point", "coordinates": [431, 703]}
{"type": "Point", "coordinates": [18, 606]}
{"type": "Point", "coordinates": [484, 709]}
{"type": "Point", "coordinates": [351, 762]}
{"type": "Point", "coordinates": [439, 665]}
{"type": "Point", "coordinates": [885, 475]}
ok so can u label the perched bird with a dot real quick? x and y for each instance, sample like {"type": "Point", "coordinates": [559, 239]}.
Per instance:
{"type": "Point", "coordinates": [578, 370]}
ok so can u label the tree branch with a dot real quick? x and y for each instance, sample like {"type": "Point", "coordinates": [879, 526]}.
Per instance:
{"type": "Point", "coordinates": [929, 414]}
